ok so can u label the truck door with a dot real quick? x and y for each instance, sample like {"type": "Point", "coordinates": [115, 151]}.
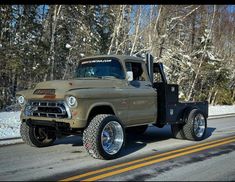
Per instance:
{"type": "Point", "coordinates": [141, 96]}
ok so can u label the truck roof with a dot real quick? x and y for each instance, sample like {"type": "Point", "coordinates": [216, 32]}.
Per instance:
{"type": "Point", "coordinates": [120, 57]}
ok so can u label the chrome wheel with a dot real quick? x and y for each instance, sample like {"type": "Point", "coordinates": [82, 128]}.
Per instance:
{"type": "Point", "coordinates": [199, 125]}
{"type": "Point", "coordinates": [112, 137]}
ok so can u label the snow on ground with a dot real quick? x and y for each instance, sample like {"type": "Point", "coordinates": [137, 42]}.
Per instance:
{"type": "Point", "coordinates": [10, 121]}
{"type": "Point", "coordinates": [9, 124]}
{"type": "Point", "coordinates": [217, 110]}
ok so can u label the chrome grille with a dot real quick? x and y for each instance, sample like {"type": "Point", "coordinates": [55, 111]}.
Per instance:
{"type": "Point", "coordinates": [50, 109]}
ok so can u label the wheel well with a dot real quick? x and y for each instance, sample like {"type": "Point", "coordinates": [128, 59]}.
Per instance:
{"type": "Point", "coordinates": [99, 110]}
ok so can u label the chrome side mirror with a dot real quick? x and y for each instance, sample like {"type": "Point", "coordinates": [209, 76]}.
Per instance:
{"type": "Point", "coordinates": [129, 75]}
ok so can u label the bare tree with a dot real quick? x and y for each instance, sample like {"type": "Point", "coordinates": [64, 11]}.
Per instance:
{"type": "Point", "coordinates": [53, 23]}
{"type": "Point", "coordinates": [137, 27]}
{"type": "Point", "coordinates": [202, 58]}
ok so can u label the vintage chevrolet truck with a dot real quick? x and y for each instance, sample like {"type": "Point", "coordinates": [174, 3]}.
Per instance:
{"type": "Point", "coordinates": [109, 96]}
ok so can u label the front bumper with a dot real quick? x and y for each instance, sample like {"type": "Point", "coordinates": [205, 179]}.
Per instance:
{"type": "Point", "coordinates": [72, 123]}
{"type": "Point", "coordinates": [56, 111]}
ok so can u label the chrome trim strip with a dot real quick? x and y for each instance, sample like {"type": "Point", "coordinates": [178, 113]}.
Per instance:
{"type": "Point", "coordinates": [67, 109]}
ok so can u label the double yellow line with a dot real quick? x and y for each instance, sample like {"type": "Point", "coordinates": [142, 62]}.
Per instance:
{"type": "Point", "coordinates": [135, 164]}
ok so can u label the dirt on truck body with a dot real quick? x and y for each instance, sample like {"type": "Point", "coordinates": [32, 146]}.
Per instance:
{"type": "Point", "coordinates": [108, 96]}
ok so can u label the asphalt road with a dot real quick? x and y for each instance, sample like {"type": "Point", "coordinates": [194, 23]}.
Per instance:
{"type": "Point", "coordinates": [67, 159]}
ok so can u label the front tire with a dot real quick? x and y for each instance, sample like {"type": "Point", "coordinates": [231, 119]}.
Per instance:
{"type": "Point", "coordinates": [104, 137]}
{"type": "Point", "coordinates": [36, 136]}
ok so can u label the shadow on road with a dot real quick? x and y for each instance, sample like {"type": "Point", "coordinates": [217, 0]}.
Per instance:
{"type": "Point", "coordinates": [134, 142]}
{"type": "Point", "coordinates": [209, 132]}
{"type": "Point", "coordinates": [153, 134]}
{"type": "Point", "coordinates": [74, 140]}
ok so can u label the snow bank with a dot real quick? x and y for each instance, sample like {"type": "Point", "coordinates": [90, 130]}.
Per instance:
{"type": "Point", "coordinates": [9, 124]}
{"type": "Point", "coordinates": [217, 110]}
{"type": "Point", "coordinates": [10, 121]}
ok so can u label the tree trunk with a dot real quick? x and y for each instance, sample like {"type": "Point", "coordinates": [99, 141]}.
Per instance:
{"type": "Point", "coordinates": [210, 95]}
{"type": "Point", "coordinates": [150, 28]}
{"type": "Point", "coordinates": [214, 98]}
{"type": "Point", "coordinates": [193, 31]}
{"type": "Point", "coordinates": [67, 65]}
{"type": "Point", "coordinates": [126, 27]}
{"type": "Point", "coordinates": [14, 84]}
{"type": "Point", "coordinates": [201, 60]}
{"type": "Point", "coordinates": [155, 29]}
{"type": "Point", "coordinates": [233, 97]}
{"type": "Point", "coordinates": [51, 59]}
{"type": "Point", "coordinates": [161, 48]}
{"type": "Point", "coordinates": [116, 29]}
{"type": "Point", "coordinates": [136, 30]}
{"type": "Point", "coordinates": [195, 79]}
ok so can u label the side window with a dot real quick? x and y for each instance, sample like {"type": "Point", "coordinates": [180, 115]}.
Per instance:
{"type": "Point", "coordinates": [137, 70]}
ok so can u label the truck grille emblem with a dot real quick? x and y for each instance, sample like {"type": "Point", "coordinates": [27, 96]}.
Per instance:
{"type": "Point", "coordinates": [44, 92]}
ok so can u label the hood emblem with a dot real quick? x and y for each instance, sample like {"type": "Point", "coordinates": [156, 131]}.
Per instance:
{"type": "Point", "coordinates": [44, 92]}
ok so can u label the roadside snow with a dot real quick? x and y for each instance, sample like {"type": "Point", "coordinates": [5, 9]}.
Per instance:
{"type": "Point", "coordinates": [9, 124]}
{"type": "Point", "coordinates": [217, 110]}
{"type": "Point", "coordinates": [10, 121]}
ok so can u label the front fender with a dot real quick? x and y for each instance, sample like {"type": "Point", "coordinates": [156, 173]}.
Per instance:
{"type": "Point", "coordinates": [100, 104]}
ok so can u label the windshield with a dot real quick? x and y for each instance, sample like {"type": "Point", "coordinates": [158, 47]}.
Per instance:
{"type": "Point", "coordinates": [100, 68]}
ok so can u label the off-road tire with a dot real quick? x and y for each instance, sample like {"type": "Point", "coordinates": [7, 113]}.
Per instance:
{"type": "Point", "coordinates": [188, 129]}
{"type": "Point", "coordinates": [28, 135]}
{"type": "Point", "coordinates": [92, 136]}
{"type": "Point", "coordinates": [177, 131]}
{"type": "Point", "coordinates": [137, 130]}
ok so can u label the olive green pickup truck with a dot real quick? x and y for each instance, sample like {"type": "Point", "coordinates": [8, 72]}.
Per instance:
{"type": "Point", "coordinates": [109, 96]}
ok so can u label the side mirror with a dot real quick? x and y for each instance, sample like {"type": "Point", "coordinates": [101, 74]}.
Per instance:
{"type": "Point", "coordinates": [129, 75]}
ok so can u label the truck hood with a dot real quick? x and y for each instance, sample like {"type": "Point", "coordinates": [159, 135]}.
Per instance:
{"type": "Point", "coordinates": [81, 87]}
{"type": "Point", "coordinates": [68, 85]}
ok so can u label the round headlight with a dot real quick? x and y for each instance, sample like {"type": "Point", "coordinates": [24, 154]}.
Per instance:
{"type": "Point", "coordinates": [21, 100]}
{"type": "Point", "coordinates": [72, 101]}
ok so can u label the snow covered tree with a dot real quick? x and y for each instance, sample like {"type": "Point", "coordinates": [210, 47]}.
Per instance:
{"type": "Point", "coordinates": [45, 42]}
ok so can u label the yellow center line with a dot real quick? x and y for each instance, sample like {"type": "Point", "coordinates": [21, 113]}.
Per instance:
{"type": "Point", "coordinates": [143, 159]}
{"type": "Point", "coordinates": [154, 161]}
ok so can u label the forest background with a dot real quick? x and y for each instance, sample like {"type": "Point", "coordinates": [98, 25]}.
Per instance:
{"type": "Point", "coordinates": [196, 43]}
